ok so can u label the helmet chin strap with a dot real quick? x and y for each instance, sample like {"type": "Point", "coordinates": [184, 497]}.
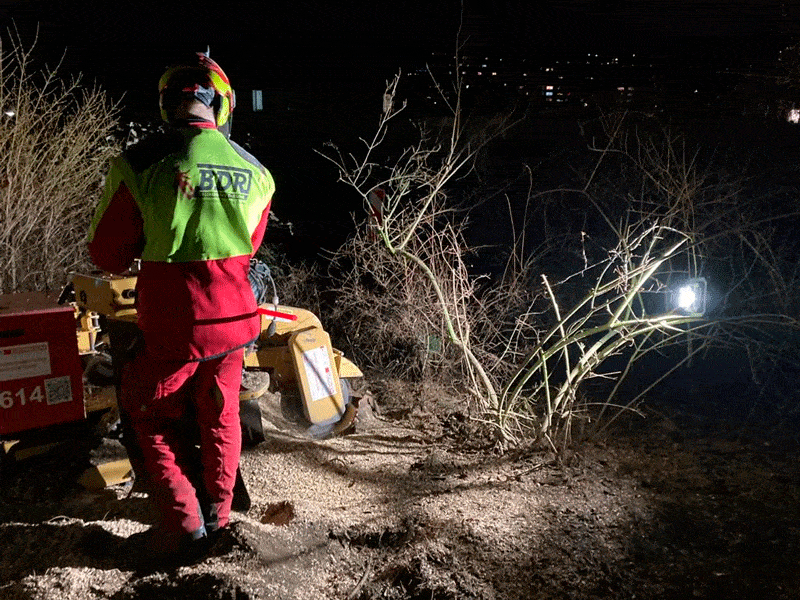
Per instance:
{"type": "Point", "coordinates": [226, 128]}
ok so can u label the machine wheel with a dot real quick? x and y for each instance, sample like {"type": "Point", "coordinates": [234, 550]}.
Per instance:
{"type": "Point", "coordinates": [99, 370]}
{"type": "Point", "coordinates": [3, 459]}
{"type": "Point", "coordinates": [250, 420]}
{"type": "Point", "coordinates": [254, 385]}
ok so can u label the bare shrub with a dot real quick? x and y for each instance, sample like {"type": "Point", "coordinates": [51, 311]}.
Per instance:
{"type": "Point", "coordinates": [409, 279]}
{"type": "Point", "coordinates": [650, 217]}
{"type": "Point", "coordinates": [392, 318]}
{"type": "Point", "coordinates": [297, 283]}
{"type": "Point", "coordinates": [55, 140]}
{"type": "Point", "coordinates": [660, 218]}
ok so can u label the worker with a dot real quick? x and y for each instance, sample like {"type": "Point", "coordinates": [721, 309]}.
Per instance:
{"type": "Point", "coordinates": [193, 205]}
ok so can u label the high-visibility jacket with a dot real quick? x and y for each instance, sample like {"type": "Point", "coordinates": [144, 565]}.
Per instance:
{"type": "Point", "coordinates": [194, 206]}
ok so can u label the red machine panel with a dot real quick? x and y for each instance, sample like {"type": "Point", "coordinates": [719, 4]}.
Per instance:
{"type": "Point", "coordinates": [41, 380]}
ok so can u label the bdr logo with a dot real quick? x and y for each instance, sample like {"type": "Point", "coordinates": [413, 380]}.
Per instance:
{"type": "Point", "coordinates": [217, 180]}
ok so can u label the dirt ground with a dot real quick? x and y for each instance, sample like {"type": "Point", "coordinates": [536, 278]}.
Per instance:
{"type": "Point", "coordinates": [419, 504]}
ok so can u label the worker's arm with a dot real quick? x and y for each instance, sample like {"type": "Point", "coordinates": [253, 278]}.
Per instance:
{"type": "Point", "coordinates": [267, 187]}
{"type": "Point", "coordinates": [116, 236]}
{"type": "Point", "coordinates": [258, 233]}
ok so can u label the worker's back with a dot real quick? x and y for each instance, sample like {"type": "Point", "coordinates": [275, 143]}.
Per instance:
{"type": "Point", "coordinates": [203, 204]}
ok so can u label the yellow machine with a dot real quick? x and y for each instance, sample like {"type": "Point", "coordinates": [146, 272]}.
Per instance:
{"type": "Point", "coordinates": [293, 355]}
{"type": "Point", "coordinates": [293, 349]}
{"type": "Point", "coordinates": [77, 376]}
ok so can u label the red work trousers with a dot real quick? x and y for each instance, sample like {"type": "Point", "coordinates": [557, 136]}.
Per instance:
{"type": "Point", "coordinates": [173, 406]}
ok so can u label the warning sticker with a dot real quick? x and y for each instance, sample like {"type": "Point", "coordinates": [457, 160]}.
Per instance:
{"type": "Point", "coordinates": [319, 373]}
{"type": "Point", "coordinates": [24, 360]}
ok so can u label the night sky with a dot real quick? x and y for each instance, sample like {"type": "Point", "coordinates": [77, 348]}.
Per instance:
{"type": "Point", "coordinates": [126, 45]}
{"type": "Point", "coordinates": [334, 58]}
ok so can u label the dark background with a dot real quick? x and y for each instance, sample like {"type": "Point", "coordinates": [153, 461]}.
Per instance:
{"type": "Point", "coordinates": [322, 66]}
{"type": "Point", "coordinates": [126, 45]}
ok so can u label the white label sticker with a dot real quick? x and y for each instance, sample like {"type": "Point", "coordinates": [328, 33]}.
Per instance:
{"type": "Point", "coordinates": [319, 373]}
{"type": "Point", "coordinates": [24, 360]}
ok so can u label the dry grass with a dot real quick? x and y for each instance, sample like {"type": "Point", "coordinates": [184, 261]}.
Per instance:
{"type": "Point", "coordinates": [55, 140]}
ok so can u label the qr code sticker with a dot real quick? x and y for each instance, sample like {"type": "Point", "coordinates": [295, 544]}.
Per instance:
{"type": "Point", "coordinates": [58, 390]}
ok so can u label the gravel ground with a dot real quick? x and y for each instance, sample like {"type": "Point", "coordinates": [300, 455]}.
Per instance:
{"type": "Point", "coordinates": [417, 503]}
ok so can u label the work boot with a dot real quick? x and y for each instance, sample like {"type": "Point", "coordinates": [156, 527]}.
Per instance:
{"type": "Point", "coordinates": [210, 516]}
{"type": "Point", "coordinates": [193, 546]}
{"type": "Point", "coordinates": [157, 549]}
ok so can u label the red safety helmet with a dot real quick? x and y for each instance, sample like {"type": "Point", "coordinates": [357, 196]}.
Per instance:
{"type": "Point", "coordinates": [205, 80]}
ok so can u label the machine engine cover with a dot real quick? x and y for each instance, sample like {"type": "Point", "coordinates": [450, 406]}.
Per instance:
{"type": "Point", "coordinates": [110, 295]}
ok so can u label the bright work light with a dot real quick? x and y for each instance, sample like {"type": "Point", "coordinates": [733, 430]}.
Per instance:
{"type": "Point", "coordinates": [690, 297]}
{"type": "Point", "coordinates": [686, 297]}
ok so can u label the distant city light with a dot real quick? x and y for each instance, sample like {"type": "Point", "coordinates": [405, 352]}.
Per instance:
{"type": "Point", "coordinates": [258, 100]}
{"type": "Point", "coordinates": [793, 116]}
{"type": "Point", "coordinates": [9, 113]}
{"type": "Point", "coordinates": [592, 78]}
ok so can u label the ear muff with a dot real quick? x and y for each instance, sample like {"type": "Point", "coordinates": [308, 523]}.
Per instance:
{"type": "Point", "coordinates": [163, 85]}
{"type": "Point", "coordinates": [222, 85]}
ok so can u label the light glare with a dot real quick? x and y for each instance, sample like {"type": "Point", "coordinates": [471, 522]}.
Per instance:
{"type": "Point", "coordinates": [686, 297]}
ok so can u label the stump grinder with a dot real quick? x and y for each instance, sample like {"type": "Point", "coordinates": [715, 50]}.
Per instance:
{"type": "Point", "coordinates": [60, 363]}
